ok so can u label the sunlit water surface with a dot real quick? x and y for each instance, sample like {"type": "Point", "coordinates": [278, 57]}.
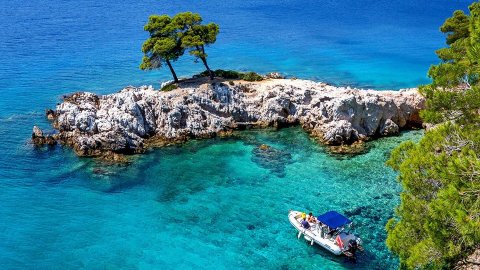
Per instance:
{"type": "Point", "coordinates": [211, 203]}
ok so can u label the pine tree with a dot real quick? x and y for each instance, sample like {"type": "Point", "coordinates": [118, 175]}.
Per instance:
{"type": "Point", "coordinates": [163, 46]}
{"type": "Point", "coordinates": [195, 35]}
{"type": "Point", "coordinates": [438, 220]}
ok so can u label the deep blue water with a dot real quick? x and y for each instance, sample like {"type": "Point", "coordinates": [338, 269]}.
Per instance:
{"type": "Point", "coordinates": [212, 203]}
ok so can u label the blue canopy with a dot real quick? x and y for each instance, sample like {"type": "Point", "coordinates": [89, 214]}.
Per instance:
{"type": "Point", "coordinates": [333, 219]}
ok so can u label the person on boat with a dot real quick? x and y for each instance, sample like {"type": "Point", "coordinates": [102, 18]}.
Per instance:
{"type": "Point", "coordinates": [304, 216]}
{"type": "Point", "coordinates": [305, 224]}
{"type": "Point", "coordinates": [332, 232]}
{"type": "Point", "coordinates": [311, 218]}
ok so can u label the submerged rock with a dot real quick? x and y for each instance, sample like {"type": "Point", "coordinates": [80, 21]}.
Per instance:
{"type": "Point", "coordinates": [264, 147]}
{"type": "Point", "coordinates": [271, 158]}
{"type": "Point", "coordinates": [129, 121]}
{"type": "Point", "coordinates": [356, 211]}
{"type": "Point", "coordinates": [358, 147]}
{"type": "Point", "coordinates": [100, 171]}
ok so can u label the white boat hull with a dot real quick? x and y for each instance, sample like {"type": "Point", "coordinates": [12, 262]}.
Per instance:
{"type": "Point", "coordinates": [313, 234]}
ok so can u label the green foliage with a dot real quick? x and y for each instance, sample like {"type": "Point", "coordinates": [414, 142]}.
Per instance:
{"type": "Point", "coordinates": [232, 74]}
{"type": "Point", "coordinates": [444, 105]}
{"type": "Point", "coordinates": [439, 215]}
{"type": "Point", "coordinates": [474, 46]}
{"type": "Point", "coordinates": [169, 87]}
{"type": "Point", "coordinates": [170, 37]}
{"type": "Point", "coordinates": [454, 91]}
{"type": "Point", "coordinates": [228, 74]}
{"type": "Point", "coordinates": [194, 35]}
{"type": "Point", "coordinates": [438, 219]}
{"type": "Point", "coordinates": [163, 45]}
{"type": "Point", "coordinates": [252, 76]}
{"type": "Point", "coordinates": [456, 27]}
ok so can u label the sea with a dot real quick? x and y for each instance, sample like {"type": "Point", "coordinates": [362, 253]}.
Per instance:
{"type": "Point", "coordinates": [207, 204]}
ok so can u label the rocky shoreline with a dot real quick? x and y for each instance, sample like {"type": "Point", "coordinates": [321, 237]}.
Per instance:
{"type": "Point", "coordinates": [136, 118]}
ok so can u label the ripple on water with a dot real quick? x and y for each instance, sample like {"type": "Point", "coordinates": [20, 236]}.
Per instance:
{"type": "Point", "coordinates": [205, 203]}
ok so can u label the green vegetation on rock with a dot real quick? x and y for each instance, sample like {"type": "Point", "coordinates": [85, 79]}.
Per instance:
{"type": "Point", "coordinates": [232, 74]}
{"type": "Point", "coordinates": [226, 74]}
{"type": "Point", "coordinates": [252, 76]}
{"type": "Point", "coordinates": [438, 220]}
{"type": "Point", "coordinates": [169, 87]}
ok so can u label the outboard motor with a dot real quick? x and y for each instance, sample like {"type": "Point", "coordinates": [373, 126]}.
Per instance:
{"type": "Point", "coordinates": [352, 246]}
{"type": "Point", "coordinates": [352, 250]}
{"type": "Point", "coordinates": [359, 244]}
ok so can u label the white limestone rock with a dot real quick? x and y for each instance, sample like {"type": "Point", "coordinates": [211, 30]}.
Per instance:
{"type": "Point", "coordinates": [122, 121]}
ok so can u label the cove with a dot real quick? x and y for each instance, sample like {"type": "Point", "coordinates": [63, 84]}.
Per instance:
{"type": "Point", "coordinates": [208, 203]}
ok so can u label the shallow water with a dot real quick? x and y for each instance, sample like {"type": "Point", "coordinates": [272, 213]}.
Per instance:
{"type": "Point", "coordinates": [211, 203]}
{"type": "Point", "coordinates": [201, 205]}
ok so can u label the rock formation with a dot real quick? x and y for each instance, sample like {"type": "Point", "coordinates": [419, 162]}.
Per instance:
{"type": "Point", "coordinates": [39, 139]}
{"type": "Point", "coordinates": [471, 262]}
{"type": "Point", "coordinates": [272, 158]}
{"type": "Point", "coordinates": [135, 118]}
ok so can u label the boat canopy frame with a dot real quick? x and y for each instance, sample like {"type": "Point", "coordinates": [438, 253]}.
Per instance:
{"type": "Point", "coordinates": [333, 219]}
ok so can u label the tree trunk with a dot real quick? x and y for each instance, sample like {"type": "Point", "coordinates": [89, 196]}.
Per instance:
{"type": "Point", "coordinates": [204, 60]}
{"type": "Point", "coordinates": [210, 72]}
{"type": "Point", "coordinates": [175, 79]}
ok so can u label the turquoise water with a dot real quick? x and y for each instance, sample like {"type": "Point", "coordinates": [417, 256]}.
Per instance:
{"type": "Point", "coordinates": [208, 203]}
{"type": "Point", "coordinates": [212, 203]}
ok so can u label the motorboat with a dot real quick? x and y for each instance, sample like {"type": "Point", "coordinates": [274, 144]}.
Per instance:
{"type": "Point", "coordinates": [330, 230]}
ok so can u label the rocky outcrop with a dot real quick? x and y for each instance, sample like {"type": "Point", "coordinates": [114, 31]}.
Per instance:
{"type": "Point", "coordinates": [472, 262]}
{"type": "Point", "coordinates": [134, 118]}
{"type": "Point", "coordinates": [38, 138]}
{"type": "Point", "coordinates": [274, 75]}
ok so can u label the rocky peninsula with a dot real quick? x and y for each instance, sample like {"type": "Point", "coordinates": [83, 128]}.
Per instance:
{"type": "Point", "coordinates": [136, 118]}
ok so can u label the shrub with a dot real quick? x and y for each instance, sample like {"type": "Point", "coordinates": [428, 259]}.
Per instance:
{"type": "Point", "coordinates": [228, 74]}
{"type": "Point", "coordinates": [252, 76]}
{"type": "Point", "coordinates": [201, 74]}
{"type": "Point", "coordinates": [169, 87]}
{"type": "Point", "coordinates": [232, 75]}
